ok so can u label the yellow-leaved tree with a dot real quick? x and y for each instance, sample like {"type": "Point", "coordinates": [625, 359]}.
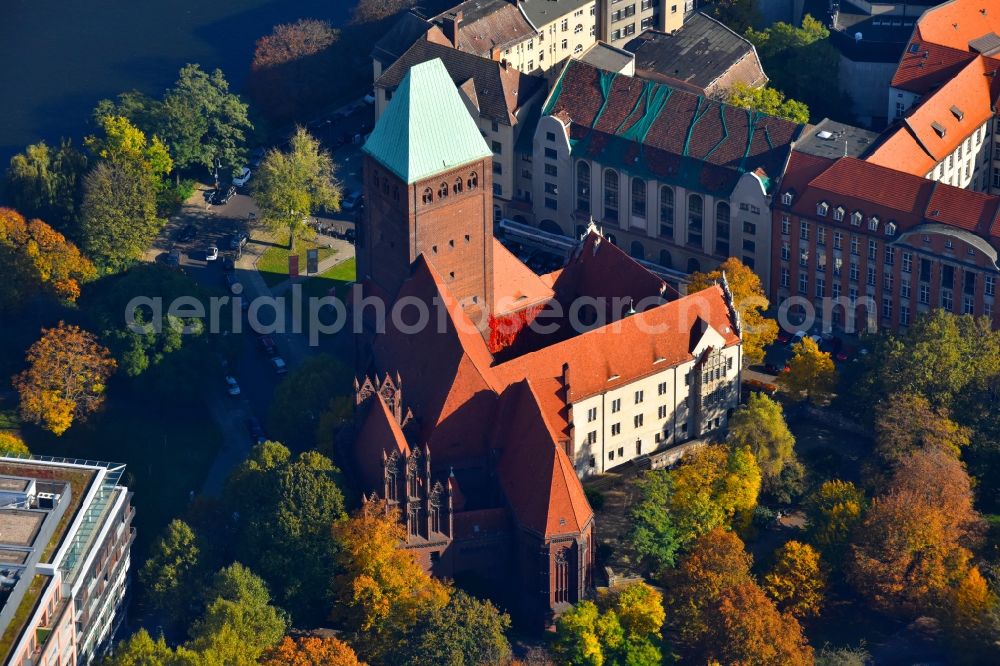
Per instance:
{"type": "Point", "coordinates": [750, 301]}
{"type": "Point", "coordinates": [810, 372]}
{"type": "Point", "coordinates": [797, 581]}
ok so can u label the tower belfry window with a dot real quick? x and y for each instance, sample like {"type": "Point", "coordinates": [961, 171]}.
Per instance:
{"type": "Point", "coordinates": [428, 195]}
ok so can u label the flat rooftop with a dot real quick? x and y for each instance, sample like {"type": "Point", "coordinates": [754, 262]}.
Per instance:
{"type": "Point", "coordinates": [607, 57]}
{"type": "Point", "coordinates": [19, 527]}
{"type": "Point", "coordinates": [14, 484]}
{"type": "Point", "coordinates": [833, 140]}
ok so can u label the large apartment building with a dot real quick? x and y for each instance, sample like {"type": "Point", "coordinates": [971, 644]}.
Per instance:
{"type": "Point", "coordinates": [864, 244]}
{"type": "Point", "coordinates": [65, 534]}
{"type": "Point", "coordinates": [622, 20]}
{"type": "Point", "coordinates": [672, 177]}
{"type": "Point", "coordinates": [943, 99]}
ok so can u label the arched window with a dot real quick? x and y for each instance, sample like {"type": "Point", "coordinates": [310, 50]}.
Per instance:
{"type": "Point", "coordinates": [583, 187]}
{"type": "Point", "coordinates": [457, 187]}
{"type": "Point", "coordinates": [611, 195]}
{"type": "Point", "coordinates": [722, 229]}
{"type": "Point", "coordinates": [473, 181]}
{"type": "Point", "coordinates": [637, 250]}
{"type": "Point", "coordinates": [696, 215]}
{"type": "Point", "coordinates": [443, 190]}
{"type": "Point", "coordinates": [428, 195]}
{"type": "Point", "coordinates": [639, 197]}
{"type": "Point", "coordinates": [665, 259]}
{"type": "Point", "coordinates": [666, 211]}
{"type": "Point", "coordinates": [693, 266]}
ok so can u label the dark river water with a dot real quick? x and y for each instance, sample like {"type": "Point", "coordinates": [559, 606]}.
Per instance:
{"type": "Point", "coordinates": [59, 57]}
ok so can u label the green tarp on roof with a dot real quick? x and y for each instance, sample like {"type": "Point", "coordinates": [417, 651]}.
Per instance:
{"type": "Point", "coordinates": [426, 128]}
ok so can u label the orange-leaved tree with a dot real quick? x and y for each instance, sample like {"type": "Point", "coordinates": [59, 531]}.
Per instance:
{"type": "Point", "coordinates": [312, 651]}
{"type": "Point", "coordinates": [797, 581]}
{"type": "Point", "coordinates": [65, 379]}
{"type": "Point", "coordinates": [38, 259]}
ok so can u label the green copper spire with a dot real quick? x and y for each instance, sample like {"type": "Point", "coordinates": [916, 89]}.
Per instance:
{"type": "Point", "coordinates": [426, 128]}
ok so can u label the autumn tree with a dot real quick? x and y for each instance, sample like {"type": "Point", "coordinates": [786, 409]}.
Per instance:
{"type": "Point", "coordinates": [45, 183]}
{"type": "Point", "coordinates": [290, 73]}
{"type": "Point", "coordinates": [716, 562]}
{"type": "Point", "coordinates": [745, 627]}
{"type": "Point", "coordinates": [767, 100]}
{"type": "Point", "coordinates": [292, 186]}
{"type": "Point", "coordinates": [465, 631]}
{"type": "Point", "coordinates": [832, 512]}
{"type": "Point", "coordinates": [239, 624]}
{"type": "Point", "coordinates": [286, 506]}
{"type": "Point", "coordinates": [12, 445]}
{"type": "Point", "coordinates": [37, 259]}
{"type": "Point", "coordinates": [750, 300]}
{"type": "Point", "coordinates": [380, 589]}
{"type": "Point", "coordinates": [311, 651]}
{"type": "Point", "coordinates": [760, 425]}
{"type": "Point", "coordinates": [372, 11]}
{"type": "Point", "coordinates": [65, 379]}
{"type": "Point", "coordinates": [623, 629]}
{"type": "Point", "coordinates": [172, 572]}
{"type": "Point", "coordinates": [118, 220]}
{"type": "Point", "coordinates": [203, 123]}
{"type": "Point", "coordinates": [121, 140]}
{"type": "Point", "coordinates": [796, 581]}
{"type": "Point", "coordinates": [810, 372]}
{"type": "Point", "coordinates": [912, 547]}
{"type": "Point", "coordinates": [711, 486]}
{"type": "Point", "coordinates": [907, 423]}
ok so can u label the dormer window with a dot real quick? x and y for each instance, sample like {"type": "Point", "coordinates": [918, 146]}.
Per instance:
{"type": "Point", "coordinates": [890, 229]}
{"type": "Point", "coordinates": [821, 208]}
{"type": "Point", "coordinates": [958, 113]}
{"type": "Point", "coordinates": [838, 214]}
{"type": "Point", "coordinates": [939, 129]}
{"type": "Point", "coordinates": [786, 198]}
{"type": "Point", "coordinates": [856, 218]}
{"type": "Point", "coordinates": [873, 223]}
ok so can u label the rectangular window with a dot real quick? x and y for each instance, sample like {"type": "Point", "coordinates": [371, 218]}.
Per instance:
{"type": "Point", "coordinates": [550, 136]}
{"type": "Point", "coordinates": [592, 437]}
{"type": "Point", "coordinates": [948, 277]}
{"type": "Point", "coordinates": [821, 235]}
{"type": "Point", "coordinates": [838, 239]}
{"type": "Point", "coordinates": [785, 225]}
{"type": "Point", "coordinates": [989, 285]}
{"type": "Point", "coordinates": [925, 270]}
{"type": "Point", "coordinates": [820, 287]}
{"type": "Point", "coordinates": [872, 250]}
{"type": "Point", "coordinates": [967, 306]}
{"type": "Point", "coordinates": [638, 397]}
{"type": "Point", "coordinates": [749, 228]}
{"type": "Point", "coordinates": [616, 405]}
{"type": "Point", "coordinates": [803, 283]}
{"type": "Point", "coordinates": [890, 255]}
{"type": "Point", "coordinates": [835, 289]}
{"type": "Point", "coordinates": [853, 275]}
{"type": "Point", "coordinates": [591, 414]}
{"type": "Point", "coordinates": [637, 420]}
{"type": "Point", "coordinates": [550, 188]}
{"type": "Point", "coordinates": [886, 308]}
{"type": "Point", "coordinates": [904, 288]}
{"type": "Point", "coordinates": [854, 245]}
{"type": "Point", "coordinates": [661, 389]}
{"type": "Point", "coordinates": [616, 429]}
{"type": "Point", "coordinates": [925, 294]}
{"type": "Point", "coordinates": [661, 412]}
{"type": "Point", "coordinates": [804, 230]}
{"type": "Point", "coordinates": [887, 282]}
{"type": "Point", "coordinates": [784, 277]}
{"type": "Point", "coordinates": [904, 315]}
{"type": "Point", "coordinates": [871, 276]}
{"type": "Point", "coordinates": [551, 154]}
{"type": "Point", "coordinates": [551, 170]}
{"type": "Point", "coordinates": [551, 203]}
{"type": "Point", "coordinates": [786, 252]}
{"type": "Point", "coordinates": [947, 301]}
{"type": "Point", "coordinates": [907, 264]}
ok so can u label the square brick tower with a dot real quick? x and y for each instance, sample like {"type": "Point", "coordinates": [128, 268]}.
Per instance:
{"type": "Point", "coordinates": [428, 185]}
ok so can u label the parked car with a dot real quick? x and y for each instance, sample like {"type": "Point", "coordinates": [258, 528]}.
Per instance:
{"type": "Point", "coordinates": [350, 236]}
{"type": "Point", "coordinates": [228, 265]}
{"type": "Point", "coordinates": [173, 258]}
{"type": "Point", "coordinates": [243, 178]}
{"type": "Point", "coordinates": [257, 435]}
{"type": "Point", "coordinates": [351, 201]}
{"type": "Point", "coordinates": [187, 234]}
{"type": "Point", "coordinates": [212, 253]}
{"type": "Point", "coordinates": [279, 365]}
{"type": "Point", "coordinates": [223, 195]}
{"type": "Point", "coordinates": [238, 240]}
{"type": "Point", "coordinates": [267, 345]}
{"type": "Point", "coordinates": [797, 338]}
{"type": "Point", "coordinates": [232, 386]}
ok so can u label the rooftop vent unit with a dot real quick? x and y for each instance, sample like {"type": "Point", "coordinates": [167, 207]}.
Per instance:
{"type": "Point", "coordinates": [47, 500]}
{"type": "Point", "coordinates": [939, 129]}
{"type": "Point", "coordinates": [824, 135]}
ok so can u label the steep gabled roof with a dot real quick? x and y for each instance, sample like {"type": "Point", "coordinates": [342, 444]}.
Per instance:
{"type": "Point", "coordinates": [499, 91]}
{"type": "Point", "coordinates": [380, 435]}
{"type": "Point", "coordinates": [407, 29]}
{"type": "Point", "coordinates": [487, 25]}
{"type": "Point", "coordinates": [650, 129]}
{"type": "Point", "coordinates": [959, 23]}
{"type": "Point", "coordinates": [924, 65]}
{"type": "Point", "coordinates": [426, 128]}
{"type": "Point", "coordinates": [515, 286]}
{"type": "Point", "coordinates": [537, 477]}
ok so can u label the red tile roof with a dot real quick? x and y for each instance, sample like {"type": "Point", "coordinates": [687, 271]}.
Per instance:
{"type": "Point", "coordinates": [924, 65]}
{"type": "Point", "coordinates": [380, 434]}
{"type": "Point", "coordinates": [537, 477]}
{"type": "Point", "coordinates": [672, 135]}
{"type": "Point", "coordinates": [515, 286]}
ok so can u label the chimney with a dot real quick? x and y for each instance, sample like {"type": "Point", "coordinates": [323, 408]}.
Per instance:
{"type": "Point", "coordinates": [454, 24]}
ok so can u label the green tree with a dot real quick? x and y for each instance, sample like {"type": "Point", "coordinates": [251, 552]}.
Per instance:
{"type": "Point", "coordinates": [172, 572]}
{"type": "Point", "coordinates": [803, 65]}
{"type": "Point", "coordinates": [832, 512]}
{"type": "Point", "coordinates": [654, 534]}
{"type": "Point", "coordinates": [760, 425]}
{"type": "Point", "coordinates": [121, 140]}
{"type": "Point", "coordinates": [202, 122]}
{"type": "Point", "coordinates": [768, 100]}
{"type": "Point", "coordinates": [286, 507]}
{"type": "Point", "coordinates": [810, 372]}
{"type": "Point", "coordinates": [304, 397]}
{"type": "Point", "coordinates": [141, 650]}
{"type": "Point", "coordinates": [46, 183]}
{"type": "Point", "coordinates": [239, 623]}
{"type": "Point", "coordinates": [737, 15]}
{"type": "Point", "coordinates": [290, 187]}
{"type": "Point", "coordinates": [118, 215]}
{"type": "Point", "coordinates": [711, 486]}
{"type": "Point", "coordinates": [465, 631]}
{"type": "Point", "coordinates": [748, 295]}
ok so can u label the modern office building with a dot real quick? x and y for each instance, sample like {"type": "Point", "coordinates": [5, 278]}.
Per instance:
{"type": "Point", "coordinates": [65, 534]}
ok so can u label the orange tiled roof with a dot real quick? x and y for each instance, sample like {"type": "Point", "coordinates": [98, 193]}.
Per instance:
{"type": "Point", "coordinates": [515, 286]}
{"type": "Point", "coordinates": [925, 65]}
{"type": "Point", "coordinates": [937, 126]}
{"type": "Point", "coordinates": [380, 434]}
{"type": "Point", "coordinates": [959, 22]}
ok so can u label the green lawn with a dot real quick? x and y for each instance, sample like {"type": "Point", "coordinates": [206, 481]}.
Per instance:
{"type": "Point", "coordinates": [340, 277]}
{"type": "Point", "coordinates": [273, 264]}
